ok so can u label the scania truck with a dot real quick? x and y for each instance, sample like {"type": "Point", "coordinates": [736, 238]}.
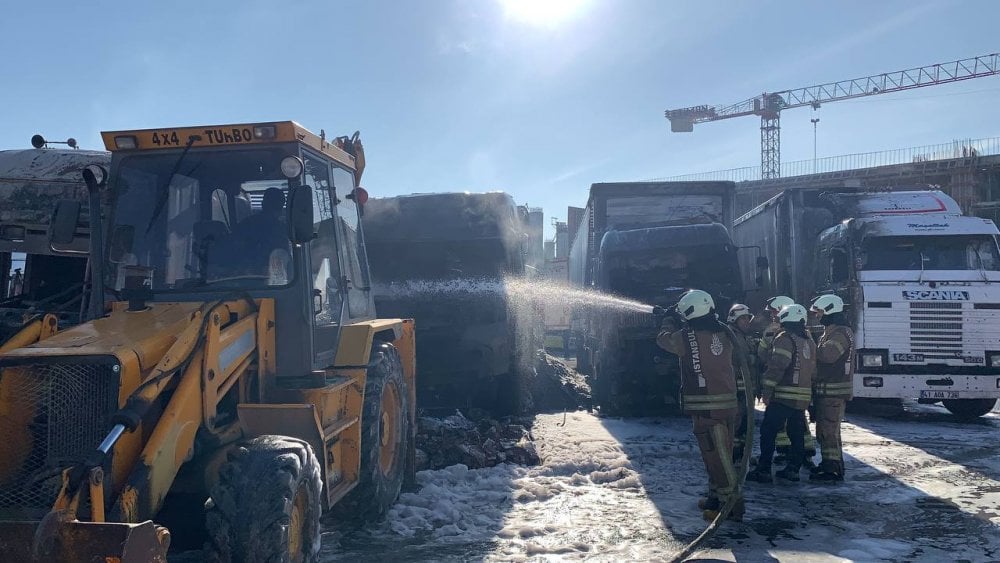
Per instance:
{"type": "Point", "coordinates": [921, 280]}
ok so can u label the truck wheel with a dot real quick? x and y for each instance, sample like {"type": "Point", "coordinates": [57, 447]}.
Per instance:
{"type": "Point", "coordinates": [385, 437]}
{"type": "Point", "coordinates": [266, 504]}
{"type": "Point", "coordinates": [968, 409]}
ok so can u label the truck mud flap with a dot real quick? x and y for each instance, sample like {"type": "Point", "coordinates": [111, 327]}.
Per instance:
{"type": "Point", "coordinates": [84, 542]}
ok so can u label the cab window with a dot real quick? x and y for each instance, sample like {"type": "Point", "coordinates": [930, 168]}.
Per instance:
{"type": "Point", "coordinates": [352, 248]}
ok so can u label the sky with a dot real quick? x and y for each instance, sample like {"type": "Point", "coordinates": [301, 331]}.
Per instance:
{"type": "Point", "coordinates": [539, 98]}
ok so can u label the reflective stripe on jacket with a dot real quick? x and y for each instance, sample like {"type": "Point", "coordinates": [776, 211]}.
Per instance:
{"type": "Point", "coordinates": [790, 370]}
{"type": "Point", "coordinates": [835, 363]}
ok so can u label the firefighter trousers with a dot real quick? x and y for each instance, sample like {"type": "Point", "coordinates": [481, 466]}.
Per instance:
{"type": "Point", "coordinates": [715, 440]}
{"type": "Point", "coordinates": [739, 444]}
{"type": "Point", "coordinates": [829, 413]}
{"type": "Point", "coordinates": [776, 417]}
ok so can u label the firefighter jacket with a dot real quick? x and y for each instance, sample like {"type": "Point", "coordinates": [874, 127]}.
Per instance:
{"type": "Point", "coordinates": [766, 339]}
{"type": "Point", "coordinates": [835, 363]}
{"type": "Point", "coordinates": [708, 381]}
{"type": "Point", "coordinates": [746, 346]}
{"type": "Point", "coordinates": [790, 370]}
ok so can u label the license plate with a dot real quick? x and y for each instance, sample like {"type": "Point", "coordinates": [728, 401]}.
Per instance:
{"type": "Point", "coordinates": [907, 357]}
{"type": "Point", "coordinates": [939, 395]}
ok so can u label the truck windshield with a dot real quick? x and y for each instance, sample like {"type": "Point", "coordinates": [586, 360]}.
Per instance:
{"type": "Point", "coordinates": [947, 252]}
{"type": "Point", "coordinates": [201, 218]}
{"type": "Point", "coordinates": [437, 260]}
{"type": "Point", "coordinates": [660, 275]}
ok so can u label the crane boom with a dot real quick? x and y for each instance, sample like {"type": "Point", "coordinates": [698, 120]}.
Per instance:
{"type": "Point", "coordinates": [769, 105]}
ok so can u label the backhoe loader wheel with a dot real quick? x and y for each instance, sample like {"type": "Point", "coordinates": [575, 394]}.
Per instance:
{"type": "Point", "coordinates": [266, 504]}
{"type": "Point", "coordinates": [385, 436]}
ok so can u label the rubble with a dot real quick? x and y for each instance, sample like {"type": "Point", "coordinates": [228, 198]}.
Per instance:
{"type": "Point", "coordinates": [557, 387]}
{"type": "Point", "coordinates": [483, 442]}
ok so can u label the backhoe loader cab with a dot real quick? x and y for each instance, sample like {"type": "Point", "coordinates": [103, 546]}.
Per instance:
{"type": "Point", "coordinates": [241, 376]}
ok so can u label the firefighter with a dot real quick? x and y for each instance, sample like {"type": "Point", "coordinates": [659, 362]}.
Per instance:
{"type": "Point", "coordinates": [782, 442]}
{"type": "Point", "coordinates": [708, 393]}
{"type": "Point", "coordinates": [739, 320]}
{"type": "Point", "coordinates": [786, 389]}
{"type": "Point", "coordinates": [833, 384]}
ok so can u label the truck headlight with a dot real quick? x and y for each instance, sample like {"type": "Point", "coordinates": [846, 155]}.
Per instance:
{"type": "Point", "coordinates": [993, 358]}
{"type": "Point", "coordinates": [871, 360]}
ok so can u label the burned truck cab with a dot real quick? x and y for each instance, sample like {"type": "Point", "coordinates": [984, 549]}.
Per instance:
{"type": "Point", "coordinates": [655, 266]}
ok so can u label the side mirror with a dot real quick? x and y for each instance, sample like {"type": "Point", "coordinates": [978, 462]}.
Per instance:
{"type": "Point", "coordinates": [94, 175]}
{"type": "Point", "coordinates": [122, 239]}
{"type": "Point", "coordinates": [300, 215]}
{"type": "Point", "coordinates": [762, 263]}
{"type": "Point", "coordinates": [62, 229]}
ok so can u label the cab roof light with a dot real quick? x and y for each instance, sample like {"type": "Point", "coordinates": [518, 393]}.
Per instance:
{"type": "Point", "coordinates": [126, 142]}
{"type": "Point", "coordinates": [263, 132]}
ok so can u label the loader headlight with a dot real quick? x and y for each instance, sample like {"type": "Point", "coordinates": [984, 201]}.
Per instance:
{"type": "Point", "coordinates": [126, 142]}
{"type": "Point", "coordinates": [291, 167]}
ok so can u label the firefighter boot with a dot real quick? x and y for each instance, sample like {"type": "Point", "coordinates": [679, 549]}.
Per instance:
{"type": "Point", "coordinates": [760, 474]}
{"type": "Point", "coordinates": [788, 474]}
{"type": "Point", "coordinates": [736, 514]}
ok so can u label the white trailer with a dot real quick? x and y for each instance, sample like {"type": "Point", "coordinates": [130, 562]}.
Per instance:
{"type": "Point", "coordinates": [922, 282]}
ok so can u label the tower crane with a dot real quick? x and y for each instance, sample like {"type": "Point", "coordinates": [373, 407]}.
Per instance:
{"type": "Point", "coordinates": [769, 105]}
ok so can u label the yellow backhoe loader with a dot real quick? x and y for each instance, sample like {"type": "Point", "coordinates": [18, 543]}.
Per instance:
{"type": "Point", "coordinates": [233, 382]}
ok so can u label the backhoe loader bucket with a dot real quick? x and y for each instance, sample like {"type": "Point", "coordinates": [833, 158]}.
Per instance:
{"type": "Point", "coordinates": [85, 542]}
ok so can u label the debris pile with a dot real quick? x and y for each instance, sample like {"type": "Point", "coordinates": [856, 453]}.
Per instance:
{"type": "Point", "coordinates": [485, 442]}
{"type": "Point", "coordinates": [557, 387]}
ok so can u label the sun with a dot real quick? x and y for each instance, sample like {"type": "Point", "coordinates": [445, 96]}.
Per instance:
{"type": "Point", "coordinates": [546, 13]}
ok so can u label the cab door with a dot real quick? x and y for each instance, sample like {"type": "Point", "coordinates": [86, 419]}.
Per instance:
{"type": "Point", "coordinates": [327, 298]}
{"type": "Point", "coordinates": [353, 258]}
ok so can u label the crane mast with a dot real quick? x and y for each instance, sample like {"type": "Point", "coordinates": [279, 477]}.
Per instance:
{"type": "Point", "coordinates": [769, 105]}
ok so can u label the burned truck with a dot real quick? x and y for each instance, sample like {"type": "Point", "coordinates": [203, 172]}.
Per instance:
{"type": "Point", "coordinates": [647, 242]}
{"type": "Point", "coordinates": [41, 274]}
{"type": "Point", "coordinates": [446, 260]}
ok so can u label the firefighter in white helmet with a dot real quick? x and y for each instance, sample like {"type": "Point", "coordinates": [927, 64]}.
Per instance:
{"type": "Point", "coordinates": [782, 442]}
{"type": "Point", "coordinates": [739, 320]}
{"type": "Point", "coordinates": [833, 385]}
{"type": "Point", "coordinates": [786, 390]}
{"type": "Point", "coordinates": [708, 392]}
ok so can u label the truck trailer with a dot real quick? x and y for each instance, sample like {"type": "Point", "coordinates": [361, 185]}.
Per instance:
{"type": "Point", "coordinates": [648, 242]}
{"type": "Point", "coordinates": [919, 277]}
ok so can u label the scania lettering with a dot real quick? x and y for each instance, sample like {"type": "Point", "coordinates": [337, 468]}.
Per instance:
{"type": "Point", "coordinates": [920, 280]}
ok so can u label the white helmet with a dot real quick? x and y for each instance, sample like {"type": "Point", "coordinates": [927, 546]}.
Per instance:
{"type": "Point", "coordinates": [695, 303]}
{"type": "Point", "coordinates": [736, 311]}
{"type": "Point", "coordinates": [827, 304]}
{"type": "Point", "coordinates": [778, 302]}
{"type": "Point", "coordinates": [793, 313]}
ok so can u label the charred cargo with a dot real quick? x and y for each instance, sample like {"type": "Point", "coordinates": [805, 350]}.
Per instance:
{"type": "Point", "coordinates": [37, 275]}
{"type": "Point", "coordinates": [445, 260]}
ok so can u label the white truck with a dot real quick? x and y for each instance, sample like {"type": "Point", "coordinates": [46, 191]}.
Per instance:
{"type": "Point", "coordinates": [922, 283]}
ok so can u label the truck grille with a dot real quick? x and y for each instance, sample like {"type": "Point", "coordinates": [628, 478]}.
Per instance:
{"type": "Point", "coordinates": [54, 415]}
{"type": "Point", "coordinates": [936, 330]}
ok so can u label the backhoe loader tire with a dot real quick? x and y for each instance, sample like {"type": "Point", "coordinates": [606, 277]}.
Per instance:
{"type": "Point", "coordinates": [266, 504]}
{"type": "Point", "coordinates": [383, 466]}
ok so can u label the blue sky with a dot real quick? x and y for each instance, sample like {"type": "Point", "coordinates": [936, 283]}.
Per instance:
{"type": "Point", "coordinates": [476, 95]}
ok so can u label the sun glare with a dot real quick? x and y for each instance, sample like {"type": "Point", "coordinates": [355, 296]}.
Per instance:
{"type": "Point", "coordinates": [542, 12]}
